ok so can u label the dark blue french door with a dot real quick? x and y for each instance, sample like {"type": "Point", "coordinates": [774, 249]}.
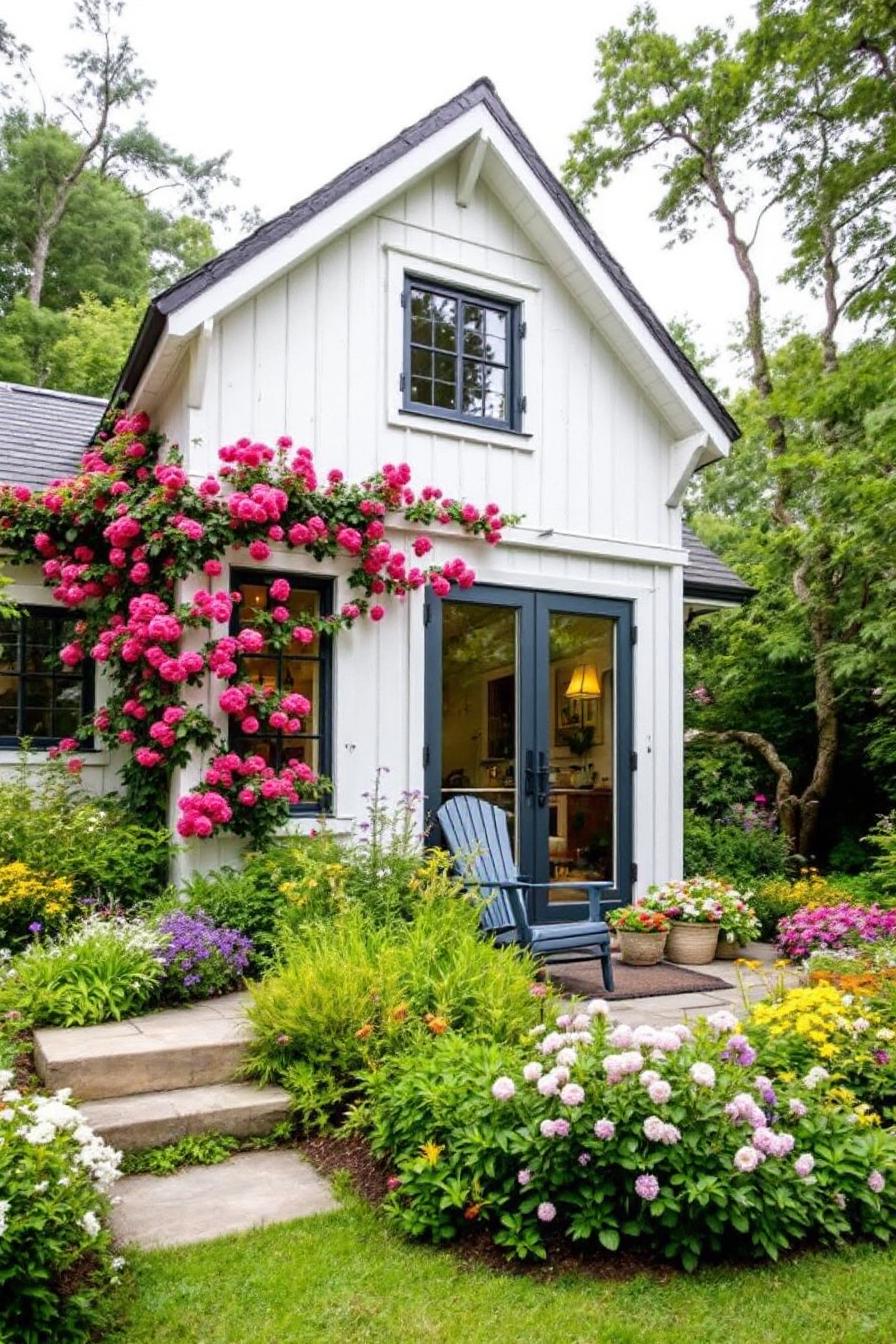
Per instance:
{"type": "Point", "coordinates": [529, 706]}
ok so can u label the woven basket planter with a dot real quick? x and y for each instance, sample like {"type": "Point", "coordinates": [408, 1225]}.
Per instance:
{"type": "Point", "coordinates": [640, 949]}
{"type": "Point", "coordinates": [692, 944]}
{"type": "Point", "coordinates": [728, 951]}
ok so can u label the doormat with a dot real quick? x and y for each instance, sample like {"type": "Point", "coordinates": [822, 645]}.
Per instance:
{"type": "Point", "coordinates": [632, 982]}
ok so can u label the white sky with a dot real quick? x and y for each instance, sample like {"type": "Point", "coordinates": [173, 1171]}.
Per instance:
{"type": "Point", "coordinates": [298, 91]}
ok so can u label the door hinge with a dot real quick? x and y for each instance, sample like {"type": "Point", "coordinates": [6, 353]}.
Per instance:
{"type": "Point", "coordinates": [401, 382]}
{"type": "Point", "coordinates": [426, 756]}
{"type": "Point", "coordinates": [634, 634]}
{"type": "Point", "coordinates": [634, 872]}
{"type": "Point", "coordinates": [522, 331]}
{"type": "Point", "coordinates": [633, 761]}
{"type": "Point", "coordinates": [523, 405]}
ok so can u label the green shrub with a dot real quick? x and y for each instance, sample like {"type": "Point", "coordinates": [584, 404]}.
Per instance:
{"type": "Point", "coordinates": [569, 1140]}
{"type": "Point", "coordinates": [349, 992]}
{"type": "Point", "coordinates": [56, 1262]}
{"type": "Point", "coordinates": [105, 969]}
{"type": "Point", "coordinates": [882, 840]}
{"type": "Point", "coordinates": [725, 850]}
{"type": "Point", "coordinates": [49, 821]}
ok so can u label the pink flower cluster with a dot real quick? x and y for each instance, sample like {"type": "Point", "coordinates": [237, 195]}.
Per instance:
{"type": "Point", "coordinates": [232, 779]}
{"type": "Point", "coordinates": [830, 927]}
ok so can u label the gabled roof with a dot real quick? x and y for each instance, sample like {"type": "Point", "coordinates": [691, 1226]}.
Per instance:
{"type": "Point", "coordinates": [43, 433]}
{"type": "Point", "coordinates": [707, 577]}
{"type": "Point", "coordinates": [483, 93]}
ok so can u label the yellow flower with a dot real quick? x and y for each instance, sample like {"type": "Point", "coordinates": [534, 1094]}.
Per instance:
{"type": "Point", "coordinates": [431, 1151]}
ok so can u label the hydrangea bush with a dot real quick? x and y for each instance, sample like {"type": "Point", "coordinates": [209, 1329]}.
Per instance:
{"type": "Point", "coordinates": [56, 1261]}
{"type": "Point", "coordinates": [113, 542]}
{"type": "Point", "coordinates": [670, 1139]}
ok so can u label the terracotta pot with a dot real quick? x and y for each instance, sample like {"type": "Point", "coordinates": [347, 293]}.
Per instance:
{"type": "Point", "coordinates": [641, 949]}
{"type": "Point", "coordinates": [692, 944]}
{"type": "Point", "coordinates": [728, 951]}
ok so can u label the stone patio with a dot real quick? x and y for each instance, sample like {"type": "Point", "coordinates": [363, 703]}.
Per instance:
{"type": "Point", "coordinates": [666, 1009]}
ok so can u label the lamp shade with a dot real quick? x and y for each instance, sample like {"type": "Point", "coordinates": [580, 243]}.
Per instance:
{"type": "Point", "coordinates": [584, 684]}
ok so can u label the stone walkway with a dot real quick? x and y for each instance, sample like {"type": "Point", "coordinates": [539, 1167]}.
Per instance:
{"type": "Point", "coordinates": [666, 1009]}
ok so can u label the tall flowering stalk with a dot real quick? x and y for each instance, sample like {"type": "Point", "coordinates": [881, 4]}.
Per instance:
{"type": "Point", "coordinates": [114, 540]}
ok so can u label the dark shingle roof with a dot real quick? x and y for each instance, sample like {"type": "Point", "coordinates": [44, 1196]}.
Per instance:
{"type": "Point", "coordinates": [482, 91]}
{"type": "Point", "coordinates": [708, 577]}
{"type": "Point", "coordinates": [43, 433]}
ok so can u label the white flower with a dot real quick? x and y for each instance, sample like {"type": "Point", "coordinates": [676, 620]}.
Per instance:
{"type": "Point", "coordinates": [118, 1262]}
{"type": "Point", "coordinates": [654, 1128]}
{"type": "Point", "coordinates": [538, 1030]}
{"type": "Point", "coordinates": [38, 1134]}
{"type": "Point", "coordinates": [503, 1089]}
{"type": "Point", "coordinates": [561, 1073]}
{"type": "Point", "coordinates": [861, 1024]}
{"type": "Point", "coordinates": [41, 1187]}
{"type": "Point", "coordinates": [644, 1035]}
{"type": "Point", "coordinates": [682, 1031]}
{"type": "Point", "coordinates": [659, 1092]}
{"type": "Point", "coordinates": [815, 1076]}
{"type": "Point", "coordinates": [597, 1008]}
{"type": "Point", "coordinates": [572, 1095]}
{"type": "Point", "coordinates": [548, 1085]}
{"type": "Point", "coordinates": [567, 1056]}
{"type": "Point", "coordinates": [722, 1021]}
{"type": "Point", "coordinates": [704, 1075]}
{"type": "Point", "coordinates": [90, 1223]}
{"type": "Point", "coordinates": [4, 1209]}
{"type": "Point", "coordinates": [6, 1077]}
{"type": "Point", "coordinates": [55, 1112]}
{"type": "Point", "coordinates": [532, 1072]}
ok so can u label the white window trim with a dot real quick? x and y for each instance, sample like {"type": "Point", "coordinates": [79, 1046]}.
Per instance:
{"type": "Point", "coordinates": [399, 262]}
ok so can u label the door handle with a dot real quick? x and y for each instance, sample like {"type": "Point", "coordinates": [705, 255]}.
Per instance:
{"type": "Point", "coordinates": [543, 778]}
{"type": "Point", "coordinates": [529, 785]}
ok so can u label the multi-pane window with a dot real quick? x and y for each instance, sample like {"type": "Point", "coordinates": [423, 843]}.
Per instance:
{"type": "Point", "coordinates": [306, 668]}
{"type": "Point", "coordinates": [39, 697]}
{"type": "Point", "coordinates": [461, 355]}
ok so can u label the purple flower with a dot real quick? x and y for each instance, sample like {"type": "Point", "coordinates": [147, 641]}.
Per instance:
{"type": "Point", "coordinates": [34, 927]}
{"type": "Point", "coordinates": [647, 1186]}
{"type": "Point", "coordinates": [881, 1056]}
{"type": "Point", "coordinates": [604, 1129]}
{"type": "Point", "coordinates": [200, 958]}
{"type": "Point", "coordinates": [876, 1182]}
{"type": "Point", "coordinates": [583, 1159]}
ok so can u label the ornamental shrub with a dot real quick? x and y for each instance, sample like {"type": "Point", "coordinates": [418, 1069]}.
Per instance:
{"type": "Point", "coordinates": [349, 993]}
{"type": "Point", "coordinates": [56, 1261]}
{"type": "Point", "coordinates": [199, 958]}
{"type": "Point", "coordinates": [30, 903]}
{"type": "Point", "coordinates": [667, 1140]}
{"type": "Point", "coordinates": [106, 968]}
{"type": "Point", "coordinates": [50, 822]}
{"type": "Point", "coordinates": [728, 851]}
{"type": "Point", "coordinates": [833, 926]}
{"type": "Point", "coordinates": [243, 899]}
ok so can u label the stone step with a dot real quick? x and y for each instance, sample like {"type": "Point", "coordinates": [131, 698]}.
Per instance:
{"type": "Point", "coordinates": [179, 1048]}
{"type": "Point", "coordinates": [201, 1203]}
{"type": "Point", "coordinates": [152, 1119]}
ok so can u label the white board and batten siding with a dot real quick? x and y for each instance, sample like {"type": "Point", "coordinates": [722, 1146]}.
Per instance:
{"type": "Point", "coordinates": [317, 354]}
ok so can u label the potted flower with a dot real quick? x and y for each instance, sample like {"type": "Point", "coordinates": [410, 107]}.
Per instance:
{"type": "Point", "coordinates": [641, 934]}
{"type": "Point", "coordinates": [694, 912]}
{"type": "Point", "coordinates": [739, 924]}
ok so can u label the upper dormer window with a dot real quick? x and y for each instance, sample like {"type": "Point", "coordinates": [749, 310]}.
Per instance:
{"type": "Point", "coordinates": [461, 355]}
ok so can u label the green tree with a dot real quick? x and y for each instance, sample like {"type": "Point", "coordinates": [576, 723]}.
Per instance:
{"type": "Point", "coordinates": [794, 118]}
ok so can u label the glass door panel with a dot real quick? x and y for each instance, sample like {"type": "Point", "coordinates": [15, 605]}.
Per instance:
{"type": "Point", "coordinates": [480, 707]}
{"type": "Point", "coordinates": [581, 753]}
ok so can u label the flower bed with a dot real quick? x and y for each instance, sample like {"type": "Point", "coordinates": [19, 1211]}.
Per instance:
{"type": "Point", "coordinates": [56, 1261]}
{"type": "Point", "coordinates": [671, 1140]}
{"type": "Point", "coordinates": [831, 927]}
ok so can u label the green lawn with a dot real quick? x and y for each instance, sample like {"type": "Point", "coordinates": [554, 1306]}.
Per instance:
{"type": "Point", "coordinates": [344, 1278]}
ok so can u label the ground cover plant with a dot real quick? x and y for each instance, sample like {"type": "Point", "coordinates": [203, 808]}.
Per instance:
{"type": "Point", "coordinates": [830, 927]}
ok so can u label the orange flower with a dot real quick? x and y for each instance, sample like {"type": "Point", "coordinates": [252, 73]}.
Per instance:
{"type": "Point", "coordinates": [399, 1013]}
{"type": "Point", "coordinates": [363, 1032]}
{"type": "Point", "coordinates": [437, 1025]}
{"type": "Point", "coordinates": [472, 1211]}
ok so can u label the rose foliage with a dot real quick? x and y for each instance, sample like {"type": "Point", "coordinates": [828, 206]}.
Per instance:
{"type": "Point", "coordinates": [115, 540]}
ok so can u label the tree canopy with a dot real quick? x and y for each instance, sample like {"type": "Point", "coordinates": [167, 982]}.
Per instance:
{"type": "Point", "coordinates": [789, 124]}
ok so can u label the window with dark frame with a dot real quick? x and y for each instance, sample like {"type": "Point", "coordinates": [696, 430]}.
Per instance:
{"type": "Point", "coordinates": [40, 698]}
{"type": "Point", "coordinates": [461, 356]}
{"type": "Point", "coordinates": [306, 668]}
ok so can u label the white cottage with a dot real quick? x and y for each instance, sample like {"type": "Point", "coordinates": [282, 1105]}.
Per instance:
{"type": "Point", "coordinates": [444, 303]}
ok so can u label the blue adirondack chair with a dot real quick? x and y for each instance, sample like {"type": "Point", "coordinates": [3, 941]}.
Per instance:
{"type": "Point", "coordinates": [477, 835]}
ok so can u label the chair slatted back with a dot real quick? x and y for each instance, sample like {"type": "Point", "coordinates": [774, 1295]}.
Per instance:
{"type": "Point", "coordinates": [478, 836]}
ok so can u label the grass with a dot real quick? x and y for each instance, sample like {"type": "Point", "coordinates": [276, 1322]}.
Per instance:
{"type": "Point", "coordinates": [344, 1277]}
